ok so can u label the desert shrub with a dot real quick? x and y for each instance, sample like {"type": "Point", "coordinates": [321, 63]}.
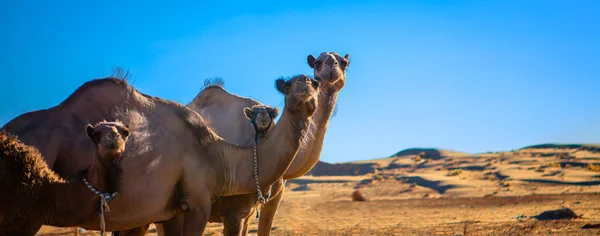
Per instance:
{"type": "Point", "coordinates": [454, 172]}
{"type": "Point", "coordinates": [593, 167]}
{"type": "Point", "coordinates": [357, 196]}
{"type": "Point", "coordinates": [557, 165]}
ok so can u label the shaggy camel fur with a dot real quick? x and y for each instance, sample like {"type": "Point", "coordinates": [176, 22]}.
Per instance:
{"type": "Point", "coordinates": [223, 108]}
{"type": "Point", "coordinates": [35, 195]}
{"type": "Point", "coordinates": [173, 154]}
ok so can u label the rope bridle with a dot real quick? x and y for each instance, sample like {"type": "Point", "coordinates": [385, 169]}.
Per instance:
{"type": "Point", "coordinates": [103, 204]}
{"type": "Point", "coordinates": [260, 200]}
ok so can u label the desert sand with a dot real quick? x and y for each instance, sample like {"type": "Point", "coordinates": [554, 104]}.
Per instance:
{"type": "Point", "coordinates": [442, 192]}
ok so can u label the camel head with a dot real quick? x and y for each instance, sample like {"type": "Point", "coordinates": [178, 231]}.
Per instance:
{"type": "Point", "coordinates": [301, 94]}
{"type": "Point", "coordinates": [110, 139]}
{"type": "Point", "coordinates": [262, 116]}
{"type": "Point", "coordinates": [330, 69]}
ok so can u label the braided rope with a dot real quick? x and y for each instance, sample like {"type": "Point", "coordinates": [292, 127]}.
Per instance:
{"type": "Point", "coordinates": [260, 200]}
{"type": "Point", "coordinates": [104, 199]}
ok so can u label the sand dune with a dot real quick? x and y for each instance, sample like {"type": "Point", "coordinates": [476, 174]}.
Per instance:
{"type": "Point", "coordinates": [426, 191]}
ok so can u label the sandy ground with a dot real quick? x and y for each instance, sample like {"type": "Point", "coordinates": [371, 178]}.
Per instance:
{"type": "Point", "coordinates": [487, 194]}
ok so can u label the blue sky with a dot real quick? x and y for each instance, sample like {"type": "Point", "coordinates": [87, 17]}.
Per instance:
{"type": "Point", "coordinates": [471, 76]}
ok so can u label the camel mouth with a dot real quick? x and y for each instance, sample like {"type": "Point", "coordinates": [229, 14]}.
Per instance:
{"type": "Point", "coordinates": [117, 157]}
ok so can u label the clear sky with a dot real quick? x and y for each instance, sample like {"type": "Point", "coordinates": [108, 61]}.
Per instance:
{"type": "Point", "coordinates": [470, 76]}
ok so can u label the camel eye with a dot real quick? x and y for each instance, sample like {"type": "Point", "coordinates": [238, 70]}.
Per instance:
{"type": "Point", "coordinates": [317, 63]}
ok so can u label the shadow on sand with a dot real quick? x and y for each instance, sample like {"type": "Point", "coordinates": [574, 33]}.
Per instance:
{"type": "Point", "coordinates": [435, 185]}
{"type": "Point", "coordinates": [546, 181]}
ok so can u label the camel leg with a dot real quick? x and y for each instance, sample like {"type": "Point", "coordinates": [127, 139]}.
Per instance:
{"type": "Point", "coordinates": [198, 204]}
{"type": "Point", "coordinates": [139, 231]}
{"type": "Point", "coordinates": [267, 214]}
{"type": "Point", "coordinates": [194, 221]}
{"type": "Point", "coordinates": [173, 227]}
{"type": "Point", "coordinates": [232, 224]}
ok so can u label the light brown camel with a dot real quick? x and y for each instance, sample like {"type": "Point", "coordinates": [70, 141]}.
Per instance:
{"type": "Point", "coordinates": [172, 153]}
{"type": "Point", "coordinates": [222, 108]}
{"type": "Point", "coordinates": [34, 195]}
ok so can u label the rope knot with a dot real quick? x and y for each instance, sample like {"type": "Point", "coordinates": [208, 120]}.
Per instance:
{"type": "Point", "coordinates": [103, 204]}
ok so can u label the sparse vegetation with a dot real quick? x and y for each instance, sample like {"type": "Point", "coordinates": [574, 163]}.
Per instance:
{"type": "Point", "coordinates": [357, 196]}
{"type": "Point", "coordinates": [593, 167]}
{"type": "Point", "coordinates": [454, 172]}
{"type": "Point", "coordinates": [556, 165]}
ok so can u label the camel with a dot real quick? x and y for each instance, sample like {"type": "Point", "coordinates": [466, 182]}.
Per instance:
{"type": "Point", "coordinates": [36, 195]}
{"type": "Point", "coordinates": [215, 103]}
{"type": "Point", "coordinates": [172, 152]}
{"type": "Point", "coordinates": [262, 117]}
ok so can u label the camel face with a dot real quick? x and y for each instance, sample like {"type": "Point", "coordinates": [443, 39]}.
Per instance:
{"type": "Point", "coordinates": [330, 67]}
{"type": "Point", "coordinates": [304, 88]}
{"type": "Point", "coordinates": [110, 139]}
{"type": "Point", "coordinates": [263, 117]}
{"type": "Point", "coordinates": [301, 93]}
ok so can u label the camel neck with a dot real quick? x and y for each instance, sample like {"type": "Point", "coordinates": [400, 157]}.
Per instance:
{"type": "Point", "coordinates": [105, 178]}
{"type": "Point", "coordinates": [73, 202]}
{"type": "Point", "coordinates": [275, 153]}
{"type": "Point", "coordinates": [310, 154]}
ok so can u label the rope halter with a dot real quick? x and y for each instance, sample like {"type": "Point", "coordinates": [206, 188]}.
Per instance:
{"type": "Point", "coordinates": [260, 200]}
{"type": "Point", "coordinates": [103, 203]}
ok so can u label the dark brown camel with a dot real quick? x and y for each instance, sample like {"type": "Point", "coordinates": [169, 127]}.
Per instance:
{"type": "Point", "coordinates": [33, 195]}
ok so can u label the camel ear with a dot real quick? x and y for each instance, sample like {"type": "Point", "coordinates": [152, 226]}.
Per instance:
{"type": "Point", "coordinates": [248, 113]}
{"type": "Point", "coordinates": [311, 61]}
{"type": "Point", "coordinates": [126, 131]}
{"type": "Point", "coordinates": [280, 84]}
{"type": "Point", "coordinates": [273, 112]}
{"type": "Point", "coordinates": [91, 133]}
{"type": "Point", "coordinates": [347, 57]}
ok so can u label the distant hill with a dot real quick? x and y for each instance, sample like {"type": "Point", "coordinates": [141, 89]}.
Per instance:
{"type": "Point", "coordinates": [406, 157]}
{"type": "Point", "coordinates": [589, 147]}
{"type": "Point", "coordinates": [369, 166]}
{"type": "Point", "coordinates": [338, 169]}
{"type": "Point", "coordinates": [431, 153]}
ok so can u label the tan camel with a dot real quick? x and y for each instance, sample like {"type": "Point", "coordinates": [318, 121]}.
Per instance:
{"type": "Point", "coordinates": [172, 153]}
{"type": "Point", "coordinates": [222, 108]}
{"type": "Point", "coordinates": [264, 118]}
{"type": "Point", "coordinates": [35, 195]}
